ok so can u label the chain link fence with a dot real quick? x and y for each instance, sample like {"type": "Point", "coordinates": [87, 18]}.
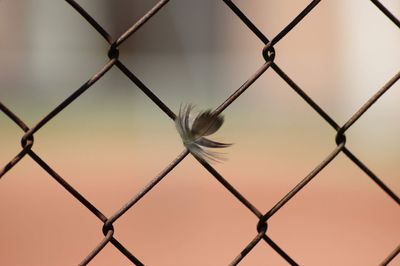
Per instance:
{"type": "Point", "coordinates": [269, 54]}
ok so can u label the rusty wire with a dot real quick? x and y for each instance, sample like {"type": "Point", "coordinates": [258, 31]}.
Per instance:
{"type": "Point", "coordinates": [268, 52]}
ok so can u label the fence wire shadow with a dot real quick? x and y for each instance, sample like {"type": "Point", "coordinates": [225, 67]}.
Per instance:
{"type": "Point", "coordinates": [268, 53]}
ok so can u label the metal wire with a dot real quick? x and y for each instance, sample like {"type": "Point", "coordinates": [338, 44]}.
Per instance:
{"type": "Point", "coordinates": [27, 140]}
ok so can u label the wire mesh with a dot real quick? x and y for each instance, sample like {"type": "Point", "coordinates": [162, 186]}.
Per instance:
{"type": "Point", "coordinates": [27, 140]}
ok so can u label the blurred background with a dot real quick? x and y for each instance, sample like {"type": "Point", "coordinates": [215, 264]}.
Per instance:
{"type": "Point", "coordinates": [111, 141]}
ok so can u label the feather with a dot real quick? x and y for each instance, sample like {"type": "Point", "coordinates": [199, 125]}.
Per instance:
{"type": "Point", "coordinates": [192, 132]}
{"type": "Point", "coordinates": [186, 120]}
{"type": "Point", "coordinates": [206, 123]}
{"type": "Point", "coordinates": [212, 144]}
{"type": "Point", "coordinates": [205, 155]}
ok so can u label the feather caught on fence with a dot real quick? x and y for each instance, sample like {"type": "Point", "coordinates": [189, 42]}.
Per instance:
{"type": "Point", "coordinates": [194, 129]}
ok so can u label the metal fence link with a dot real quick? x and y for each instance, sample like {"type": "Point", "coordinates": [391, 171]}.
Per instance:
{"type": "Point", "coordinates": [269, 54]}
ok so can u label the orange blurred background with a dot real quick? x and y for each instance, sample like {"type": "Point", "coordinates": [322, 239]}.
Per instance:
{"type": "Point", "coordinates": [111, 141]}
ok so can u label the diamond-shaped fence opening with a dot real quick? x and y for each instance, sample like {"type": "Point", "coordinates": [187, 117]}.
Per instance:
{"type": "Point", "coordinates": [340, 154]}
